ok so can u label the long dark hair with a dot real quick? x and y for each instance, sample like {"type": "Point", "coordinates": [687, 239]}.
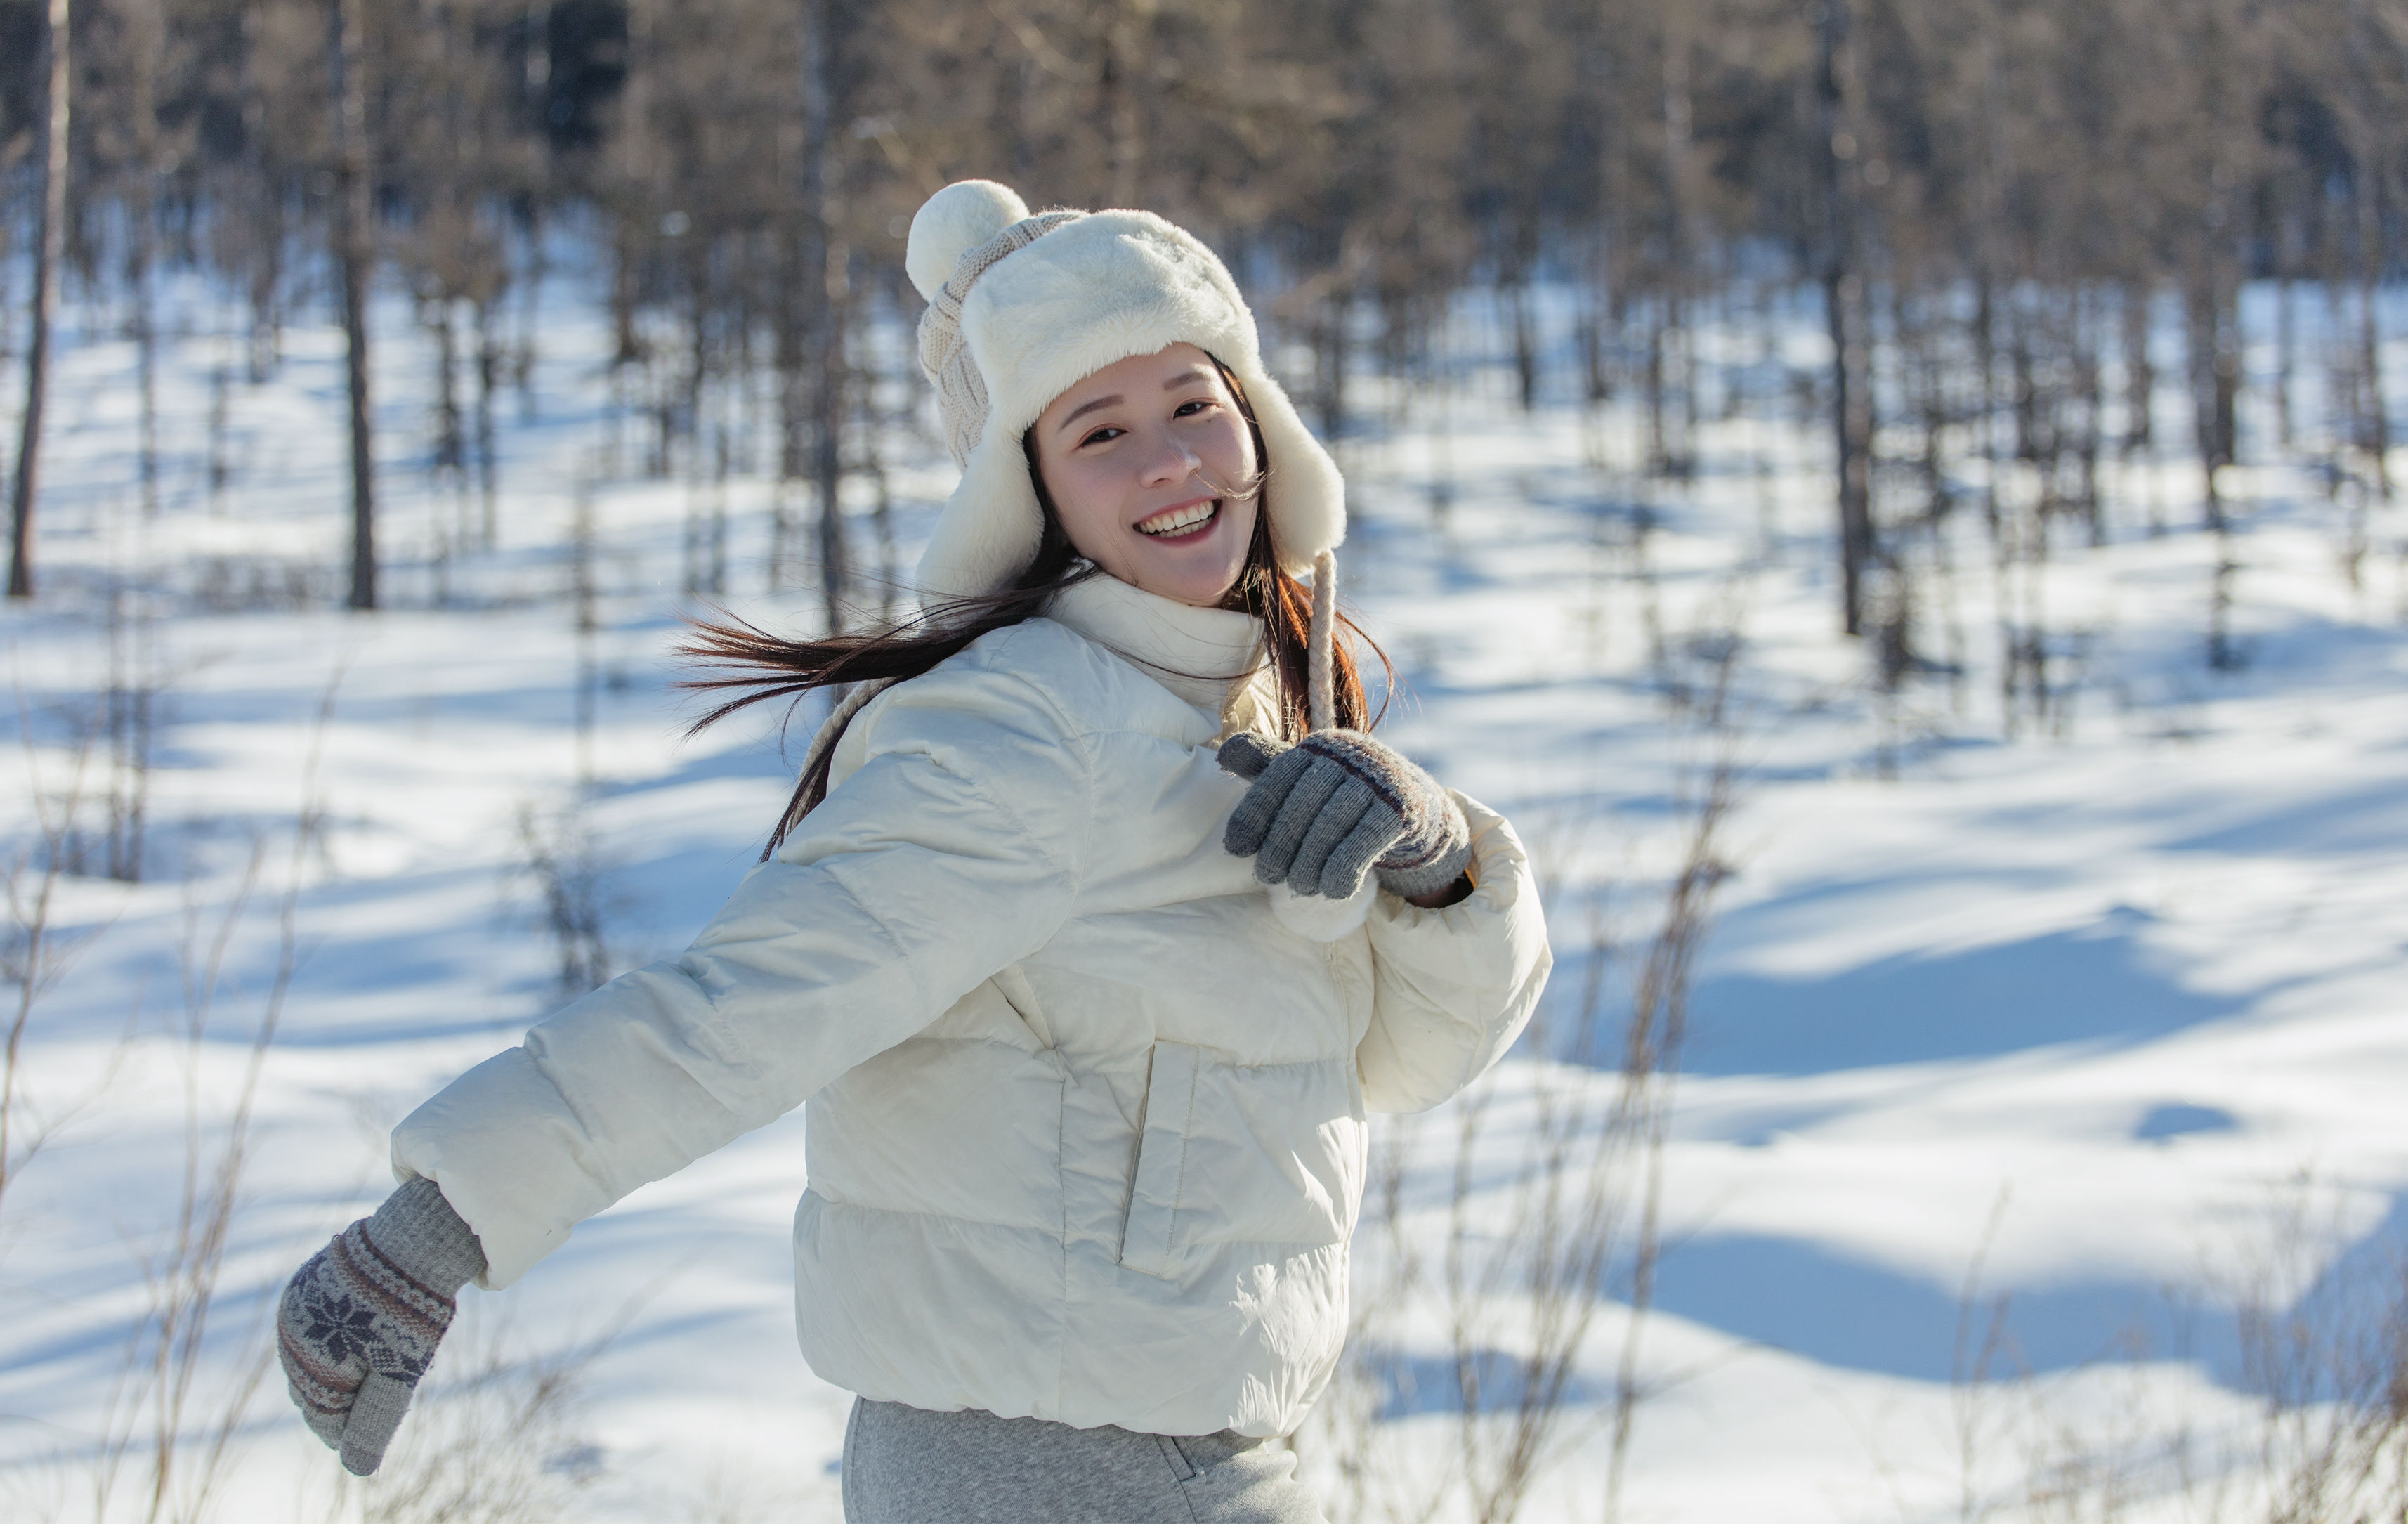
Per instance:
{"type": "Point", "coordinates": [763, 666]}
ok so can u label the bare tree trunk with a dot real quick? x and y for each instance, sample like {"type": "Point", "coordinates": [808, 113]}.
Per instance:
{"type": "Point", "coordinates": [1658, 445]}
{"type": "Point", "coordinates": [1597, 382]}
{"type": "Point", "coordinates": [2140, 369]}
{"type": "Point", "coordinates": [146, 365]}
{"type": "Point", "coordinates": [489, 377]}
{"type": "Point", "coordinates": [450, 449]}
{"type": "Point", "coordinates": [1986, 378]}
{"type": "Point", "coordinates": [827, 463]}
{"type": "Point", "coordinates": [690, 408]}
{"type": "Point", "coordinates": [2137, 303]}
{"type": "Point", "coordinates": [582, 590]}
{"type": "Point", "coordinates": [1596, 373]}
{"type": "Point", "coordinates": [826, 283]}
{"type": "Point", "coordinates": [1845, 308]}
{"type": "Point", "coordinates": [2374, 426]}
{"type": "Point", "coordinates": [786, 343]}
{"type": "Point", "coordinates": [1525, 338]}
{"type": "Point", "coordinates": [2286, 342]}
{"type": "Point", "coordinates": [1671, 358]}
{"type": "Point", "coordinates": [2215, 384]}
{"type": "Point", "coordinates": [352, 231]}
{"type": "Point", "coordinates": [882, 514]}
{"type": "Point", "coordinates": [1915, 329]}
{"type": "Point", "coordinates": [2022, 365]}
{"type": "Point", "coordinates": [723, 439]}
{"type": "Point", "coordinates": [522, 353]}
{"type": "Point", "coordinates": [144, 39]}
{"type": "Point", "coordinates": [264, 207]}
{"type": "Point", "coordinates": [220, 408]}
{"type": "Point", "coordinates": [450, 433]}
{"type": "Point", "coordinates": [2086, 319]}
{"type": "Point", "coordinates": [635, 109]}
{"type": "Point", "coordinates": [266, 346]}
{"type": "Point", "coordinates": [1332, 334]}
{"type": "Point", "coordinates": [49, 251]}
{"type": "Point", "coordinates": [1128, 27]}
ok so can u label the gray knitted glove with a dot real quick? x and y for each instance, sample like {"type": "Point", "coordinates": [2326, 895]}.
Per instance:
{"type": "Point", "coordinates": [359, 1321]}
{"type": "Point", "coordinates": [1336, 803]}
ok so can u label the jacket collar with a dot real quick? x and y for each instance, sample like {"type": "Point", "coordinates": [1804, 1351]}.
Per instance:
{"type": "Point", "coordinates": [1194, 652]}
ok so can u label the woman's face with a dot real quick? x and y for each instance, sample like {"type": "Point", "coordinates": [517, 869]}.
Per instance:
{"type": "Point", "coordinates": [1136, 458]}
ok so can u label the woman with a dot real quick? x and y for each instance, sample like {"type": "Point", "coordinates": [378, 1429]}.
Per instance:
{"type": "Point", "coordinates": [1093, 929]}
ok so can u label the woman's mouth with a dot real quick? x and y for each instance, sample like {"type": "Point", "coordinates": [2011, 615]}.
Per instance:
{"type": "Point", "coordinates": [1185, 521]}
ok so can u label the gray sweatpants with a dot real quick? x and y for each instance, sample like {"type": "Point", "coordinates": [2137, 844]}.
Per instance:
{"type": "Point", "coordinates": [904, 1465]}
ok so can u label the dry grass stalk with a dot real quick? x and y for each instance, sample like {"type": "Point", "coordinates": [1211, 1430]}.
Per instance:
{"type": "Point", "coordinates": [2323, 1350]}
{"type": "Point", "coordinates": [561, 855]}
{"type": "Point", "coordinates": [495, 1445]}
{"type": "Point", "coordinates": [165, 1350]}
{"type": "Point", "coordinates": [32, 959]}
{"type": "Point", "coordinates": [1522, 1272]}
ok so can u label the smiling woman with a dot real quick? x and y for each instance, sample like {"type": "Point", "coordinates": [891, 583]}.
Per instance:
{"type": "Point", "coordinates": [1093, 930]}
{"type": "Point", "coordinates": [1149, 466]}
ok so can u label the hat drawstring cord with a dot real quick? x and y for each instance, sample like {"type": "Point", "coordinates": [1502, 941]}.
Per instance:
{"type": "Point", "coordinates": [1320, 707]}
{"type": "Point", "coordinates": [832, 728]}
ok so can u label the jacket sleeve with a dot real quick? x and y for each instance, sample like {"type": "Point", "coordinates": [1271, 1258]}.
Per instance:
{"type": "Point", "coordinates": [1453, 987]}
{"type": "Point", "coordinates": [950, 853]}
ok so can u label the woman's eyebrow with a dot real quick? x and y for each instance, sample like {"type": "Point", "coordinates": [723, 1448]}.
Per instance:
{"type": "Point", "coordinates": [1085, 408]}
{"type": "Point", "coordinates": [1182, 378]}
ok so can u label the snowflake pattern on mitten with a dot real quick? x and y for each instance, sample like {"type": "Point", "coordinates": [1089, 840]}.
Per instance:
{"type": "Point", "coordinates": [357, 1327]}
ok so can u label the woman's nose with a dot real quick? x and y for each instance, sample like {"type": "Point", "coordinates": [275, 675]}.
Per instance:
{"type": "Point", "coordinates": [1170, 461]}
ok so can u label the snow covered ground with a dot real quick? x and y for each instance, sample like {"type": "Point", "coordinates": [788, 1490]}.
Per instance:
{"type": "Point", "coordinates": [2020, 1054]}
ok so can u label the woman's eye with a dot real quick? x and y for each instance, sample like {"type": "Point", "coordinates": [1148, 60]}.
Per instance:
{"type": "Point", "coordinates": [1102, 436]}
{"type": "Point", "coordinates": [1190, 409]}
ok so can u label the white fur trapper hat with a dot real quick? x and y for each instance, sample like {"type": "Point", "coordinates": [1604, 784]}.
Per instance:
{"type": "Point", "coordinates": [1022, 308]}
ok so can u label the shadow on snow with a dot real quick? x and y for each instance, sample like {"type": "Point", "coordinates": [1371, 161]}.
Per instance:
{"type": "Point", "coordinates": [2096, 986]}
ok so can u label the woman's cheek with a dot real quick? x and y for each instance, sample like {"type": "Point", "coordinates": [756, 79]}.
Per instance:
{"type": "Point", "coordinates": [1083, 509]}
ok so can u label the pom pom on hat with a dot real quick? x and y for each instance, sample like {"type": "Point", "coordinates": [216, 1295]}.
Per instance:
{"type": "Point", "coordinates": [954, 222]}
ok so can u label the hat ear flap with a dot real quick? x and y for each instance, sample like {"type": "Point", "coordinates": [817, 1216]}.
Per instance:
{"type": "Point", "coordinates": [1303, 494]}
{"type": "Point", "coordinates": [951, 224]}
{"type": "Point", "coordinates": [990, 529]}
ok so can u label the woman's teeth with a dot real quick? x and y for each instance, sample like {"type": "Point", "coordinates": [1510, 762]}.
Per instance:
{"type": "Point", "coordinates": [1180, 522]}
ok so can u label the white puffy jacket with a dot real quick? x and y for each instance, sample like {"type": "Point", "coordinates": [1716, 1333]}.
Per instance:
{"type": "Point", "coordinates": [1085, 1125]}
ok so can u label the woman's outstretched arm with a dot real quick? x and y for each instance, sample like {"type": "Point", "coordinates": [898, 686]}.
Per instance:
{"type": "Point", "coordinates": [951, 852]}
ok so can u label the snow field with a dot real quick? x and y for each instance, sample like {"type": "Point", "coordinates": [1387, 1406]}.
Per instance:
{"type": "Point", "coordinates": [2101, 1020]}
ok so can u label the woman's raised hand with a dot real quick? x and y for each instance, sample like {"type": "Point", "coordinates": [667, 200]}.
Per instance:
{"type": "Point", "coordinates": [1336, 804]}
{"type": "Point", "coordinates": [359, 1321]}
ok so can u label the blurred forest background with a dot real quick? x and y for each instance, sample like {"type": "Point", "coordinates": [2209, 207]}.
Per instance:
{"type": "Point", "coordinates": [1998, 202]}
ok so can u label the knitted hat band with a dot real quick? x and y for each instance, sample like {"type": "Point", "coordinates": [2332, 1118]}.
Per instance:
{"type": "Point", "coordinates": [961, 396]}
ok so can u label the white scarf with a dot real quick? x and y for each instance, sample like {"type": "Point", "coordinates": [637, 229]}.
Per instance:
{"type": "Point", "coordinates": [1194, 652]}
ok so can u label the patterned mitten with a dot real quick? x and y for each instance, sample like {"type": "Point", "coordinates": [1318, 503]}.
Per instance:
{"type": "Point", "coordinates": [359, 1321]}
{"type": "Point", "coordinates": [1337, 803]}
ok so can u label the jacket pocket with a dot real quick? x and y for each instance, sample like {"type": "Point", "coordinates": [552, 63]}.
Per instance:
{"type": "Point", "coordinates": [1148, 1236]}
